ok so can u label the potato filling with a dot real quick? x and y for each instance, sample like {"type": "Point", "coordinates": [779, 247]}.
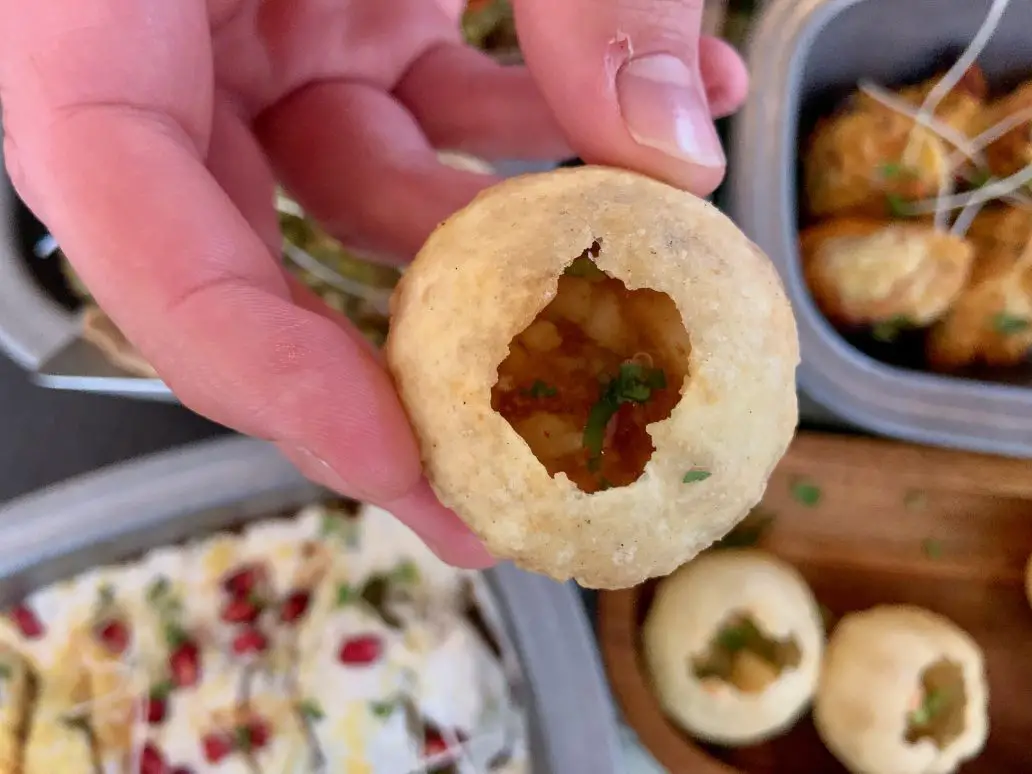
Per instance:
{"type": "Point", "coordinates": [585, 379]}
{"type": "Point", "coordinates": [938, 708]}
{"type": "Point", "coordinates": [742, 656]}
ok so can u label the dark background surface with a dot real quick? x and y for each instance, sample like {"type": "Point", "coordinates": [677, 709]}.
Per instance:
{"type": "Point", "coordinates": [47, 436]}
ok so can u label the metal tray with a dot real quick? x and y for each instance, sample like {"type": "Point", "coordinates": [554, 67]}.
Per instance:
{"type": "Point", "coordinates": [803, 54]}
{"type": "Point", "coordinates": [116, 514]}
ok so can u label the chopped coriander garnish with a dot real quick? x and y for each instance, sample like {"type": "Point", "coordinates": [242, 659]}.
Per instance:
{"type": "Point", "coordinates": [898, 206]}
{"type": "Point", "coordinates": [331, 524]}
{"type": "Point", "coordinates": [405, 572]}
{"type": "Point", "coordinates": [892, 170]}
{"type": "Point", "coordinates": [1009, 324]}
{"type": "Point", "coordinates": [735, 638]}
{"type": "Point", "coordinates": [934, 703]}
{"type": "Point", "coordinates": [694, 475]}
{"type": "Point", "coordinates": [979, 178]}
{"type": "Point", "coordinates": [175, 635]}
{"type": "Point", "coordinates": [806, 492]}
{"type": "Point", "coordinates": [160, 691]}
{"type": "Point", "coordinates": [540, 389]}
{"type": "Point", "coordinates": [887, 331]}
{"type": "Point", "coordinates": [633, 384]}
{"type": "Point", "coordinates": [243, 738]}
{"type": "Point", "coordinates": [345, 595]}
{"type": "Point", "coordinates": [310, 709]}
{"type": "Point", "coordinates": [383, 709]}
{"type": "Point", "coordinates": [158, 590]}
{"type": "Point", "coordinates": [5, 672]}
{"type": "Point", "coordinates": [932, 548]}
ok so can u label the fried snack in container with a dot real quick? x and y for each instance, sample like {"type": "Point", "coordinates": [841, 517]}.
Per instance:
{"type": "Point", "coordinates": [101, 331]}
{"type": "Point", "coordinates": [864, 272]}
{"type": "Point", "coordinates": [991, 321]}
{"type": "Point", "coordinates": [1013, 151]}
{"type": "Point", "coordinates": [733, 643]}
{"type": "Point", "coordinates": [597, 314]}
{"type": "Point", "coordinates": [904, 690]}
{"type": "Point", "coordinates": [854, 160]}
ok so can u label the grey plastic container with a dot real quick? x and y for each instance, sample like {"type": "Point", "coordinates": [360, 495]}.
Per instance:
{"type": "Point", "coordinates": [804, 53]}
{"type": "Point", "coordinates": [42, 336]}
{"type": "Point", "coordinates": [118, 513]}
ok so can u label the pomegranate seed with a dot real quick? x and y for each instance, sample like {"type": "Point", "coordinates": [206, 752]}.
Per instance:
{"type": "Point", "coordinates": [241, 610]}
{"type": "Point", "coordinates": [151, 761]}
{"type": "Point", "coordinates": [294, 606]}
{"type": "Point", "coordinates": [185, 665]}
{"type": "Point", "coordinates": [157, 709]}
{"type": "Point", "coordinates": [243, 581]}
{"type": "Point", "coordinates": [250, 640]}
{"type": "Point", "coordinates": [28, 624]}
{"type": "Point", "coordinates": [253, 736]}
{"type": "Point", "coordinates": [361, 651]}
{"type": "Point", "coordinates": [433, 744]}
{"type": "Point", "coordinates": [114, 635]}
{"type": "Point", "coordinates": [216, 747]}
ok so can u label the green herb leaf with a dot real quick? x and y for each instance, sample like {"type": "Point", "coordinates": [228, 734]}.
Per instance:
{"type": "Point", "coordinates": [383, 709]}
{"type": "Point", "coordinates": [5, 672]}
{"type": "Point", "coordinates": [346, 595]}
{"type": "Point", "coordinates": [405, 572]}
{"type": "Point", "coordinates": [887, 331]}
{"type": "Point", "coordinates": [738, 636]}
{"type": "Point", "coordinates": [898, 207]}
{"type": "Point", "coordinates": [634, 383]}
{"type": "Point", "coordinates": [158, 590]}
{"type": "Point", "coordinates": [331, 525]}
{"type": "Point", "coordinates": [1009, 324]}
{"type": "Point", "coordinates": [310, 709]}
{"type": "Point", "coordinates": [160, 691]}
{"type": "Point", "coordinates": [105, 595]}
{"type": "Point", "coordinates": [979, 178]}
{"type": "Point", "coordinates": [242, 737]}
{"type": "Point", "coordinates": [175, 635]}
{"type": "Point", "coordinates": [892, 170]}
{"type": "Point", "coordinates": [932, 548]}
{"type": "Point", "coordinates": [541, 390]}
{"type": "Point", "coordinates": [934, 703]}
{"type": "Point", "coordinates": [806, 493]}
{"type": "Point", "coordinates": [695, 475]}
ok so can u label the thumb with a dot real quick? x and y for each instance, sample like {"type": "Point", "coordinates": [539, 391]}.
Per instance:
{"type": "Point", "coordinates": [624, 82]}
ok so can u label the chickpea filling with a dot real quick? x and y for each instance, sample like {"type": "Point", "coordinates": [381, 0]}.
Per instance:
{"type": "Point", "coordinates": [937, 712]}
{"type": "Point", "coordinates": [591, 372]}
{"type": "Point", "coordinates": [742, 656]}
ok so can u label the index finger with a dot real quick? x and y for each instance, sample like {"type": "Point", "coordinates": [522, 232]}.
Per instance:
{"type": "Point", "coordinates": [112, 150]}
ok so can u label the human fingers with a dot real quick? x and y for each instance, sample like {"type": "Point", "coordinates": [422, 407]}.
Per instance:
{"type": "Point", "coordinates": [357, 161]}
{"type": "Point", "coordinates": [725, 75]}
{"type": "Point", "coordinates": [114, 153]}
{"type": "Point", "coordinates": [464, 100]}
{"type": "Point", "coordinates": [623, 78]}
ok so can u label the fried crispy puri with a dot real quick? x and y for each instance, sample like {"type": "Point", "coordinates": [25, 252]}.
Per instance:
{"type": "Point", "coordinates": [863, 272]}
{"type": "Point", "coordinates": [564, 325]}
{"type": "Point", "coordinates": [1013, 151]}
{"type": "Point", "coordinates": [991, 321]}
{"type": "Point", "coordinates": [854, 161]}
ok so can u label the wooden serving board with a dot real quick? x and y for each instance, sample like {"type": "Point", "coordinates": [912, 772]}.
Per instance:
{"type": "Point", "coordinates": [871, 522]}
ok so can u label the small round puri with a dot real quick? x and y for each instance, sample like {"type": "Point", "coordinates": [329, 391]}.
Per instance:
{"type": "Point", "coordinates": [717, 601]}
{"type": "Point", "coordinates": [486, 274]}
{"type": "Point", "coordinates": [904, 690]}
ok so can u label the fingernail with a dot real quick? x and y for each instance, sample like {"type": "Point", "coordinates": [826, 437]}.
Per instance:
{"type": "Point", "coordinates": [663, 102]}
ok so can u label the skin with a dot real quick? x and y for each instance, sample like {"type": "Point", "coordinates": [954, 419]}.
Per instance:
{"type": "Point", "coordinates": [148, 136]}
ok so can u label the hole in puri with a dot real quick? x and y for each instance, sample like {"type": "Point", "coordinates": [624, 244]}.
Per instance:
{"type": "Point", "coordinates": [742, 656]}
{"type": "Point", "coordinates": [937, 709]}
{"type": "Point", "coordinates": [584, 380]}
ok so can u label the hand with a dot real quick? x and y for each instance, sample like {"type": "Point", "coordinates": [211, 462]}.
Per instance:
{"type": "Point", "coordinates": [148, 135]}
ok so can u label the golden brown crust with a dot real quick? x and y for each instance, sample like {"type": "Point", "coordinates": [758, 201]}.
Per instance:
{"type": "Point", "coordinates": [101, 332]}
{"type": "Point", "coordinates": [991, 321]}
{"type": "Point", "coordinates": [1013, 150]}
{"type": "Point", "coordinates": [863, 272]}
{"type": "Point", "coordinates": [485, 274]}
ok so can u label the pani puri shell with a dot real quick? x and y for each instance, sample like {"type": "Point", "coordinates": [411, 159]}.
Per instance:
{"type": "Point", "coordinates": [486, 273]}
